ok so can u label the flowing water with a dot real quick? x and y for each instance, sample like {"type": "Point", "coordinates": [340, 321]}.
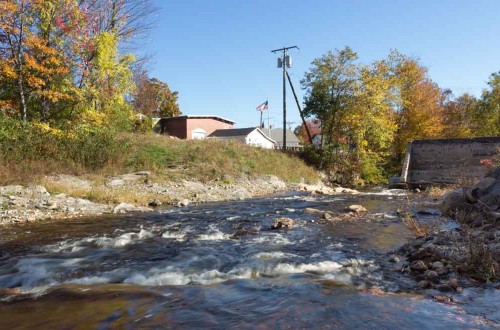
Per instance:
{"type": "Point", "coordinates": [220, 266]}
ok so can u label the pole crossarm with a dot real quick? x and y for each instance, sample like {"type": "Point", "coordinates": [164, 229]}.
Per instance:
{"type": "Point", "coordinates": [284, 49]}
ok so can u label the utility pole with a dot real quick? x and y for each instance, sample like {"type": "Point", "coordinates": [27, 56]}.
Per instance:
{"type": "Point", "coordinates": [284, 61]}
{"type": "Point", "coordinates": [300, 110]}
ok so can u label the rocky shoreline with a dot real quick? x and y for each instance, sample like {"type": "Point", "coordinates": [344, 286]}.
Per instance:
{"type": "Point", "coordinates": [468, 253]}
{"type": "Point", "coordinates": [443, 260]}
{"type": "Point", "coordinates": [59, 197]}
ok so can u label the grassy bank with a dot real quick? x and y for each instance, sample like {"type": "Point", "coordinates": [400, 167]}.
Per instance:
{"type": "Point", "coordinates": [27, 155]}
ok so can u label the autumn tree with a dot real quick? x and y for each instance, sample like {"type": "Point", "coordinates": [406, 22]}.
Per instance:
{"type": "Point", "coordinates": [458, 115]}
{"type": "Point", "coordinates": [419, 103]}
{"type": "Point", "coordinates": [38, 61]}
{"type": "Point", "coordinates": [376, 122]}
{"type": "Point", "coordinates": [109, 81]}
{"type": "Point", "coordinates": [15, 20]}
{"type": "Point", "coordinates": [314, 126]}
{"type": "Point", "coordinates": [153, 97]}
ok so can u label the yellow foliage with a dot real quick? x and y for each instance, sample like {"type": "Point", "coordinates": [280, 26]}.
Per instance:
{"type": "Point", "coordinates": [7, 69]}
{"type": "Point", "coordinates": [47, 129]}
{"type": "Point", "coordinates": [89, 116]}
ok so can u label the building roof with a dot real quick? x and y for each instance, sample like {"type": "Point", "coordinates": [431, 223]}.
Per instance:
{"type": "Point", "coordinates": [234, 132]}
{"type": "Point", "coordinates": [228, 121]}
{"type": "Point", "coordinates": [277, 135]}
{"type": "Point", "coordinates": [237, 133]}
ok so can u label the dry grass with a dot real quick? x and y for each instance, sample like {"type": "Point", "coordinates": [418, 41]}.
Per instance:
{"type": "Point", "coordinates": [106, 196]}
{"type": "Point", "coordinates": [481, 263]}
{"type": "Point", "coordinates": [99, 193]}
{"type": "Point", "coordinates": [438, 192]}
{"type": "Point", "coordinates": [59, 188]}
{"type": "Point", "coordinates": [411, 222]}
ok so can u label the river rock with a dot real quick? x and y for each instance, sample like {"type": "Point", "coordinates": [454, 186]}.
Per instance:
{"type": "Point", "coordinates": [495, 251]}
{"type": "Point", "coordinates": [443, 298]}
{"type": "Point", "coordinates": [357, 208]}
{"type": "Point", "coordinates": [424, 284]}
{"type": "Point", "coordinates": [485, 183]}
{"type": "Point", "coordinates": [311, 210]}
{"type": "Point", "coordinates": [452, 202]}
{"type": "Point", "coordinates": [437, 265]}
{"type": "Point", "coordinates": [283, 223]}
{"type": "Point", "coordinates": [342, 190]}
{"type": "Point", "coordinates": [394, 258]}
{"type": "Point", "coordinates": [155, 203]}
{"type": "Point", "coordinates": [328, 216]}
{"type": "Point", "coordinates": [123, 208]}
{"type": "Point", "coordinates": [453, 283]}
{"type": "Point", "coordinates": [429, 252]}
{"type": "Point", "coordinates": [12, 190]}
{"type": "Point", "coordinates": [184, 202]}
{"type": "Point", "coordinates": [19, 201]}
{"type": "Point", "coordinates": [141, 176]}
{"type": "Point", "coordinates": [445, 288]}
{"type": "Point", "coordinates": [442, 271]}
{"type": "Point", "coordinates": [431, 275]}
{"type": "Point", "coordinates": [418, 266]}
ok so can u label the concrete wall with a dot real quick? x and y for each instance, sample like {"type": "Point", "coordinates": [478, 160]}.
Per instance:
{"type": "Point", "coordinates": [448, 161]}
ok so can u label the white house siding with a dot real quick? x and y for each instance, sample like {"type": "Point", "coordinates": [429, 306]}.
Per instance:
{"type": "Point", "coordinates": [255, 138]}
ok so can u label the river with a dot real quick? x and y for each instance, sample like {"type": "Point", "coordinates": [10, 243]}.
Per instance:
{"type": "Point", "coordinates": [219, 265]}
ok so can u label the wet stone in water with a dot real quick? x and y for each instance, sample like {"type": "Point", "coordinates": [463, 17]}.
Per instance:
{"type": "Point", "coordinates": [283, 223]}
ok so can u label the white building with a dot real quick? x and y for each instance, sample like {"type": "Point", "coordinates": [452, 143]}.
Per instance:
{"type": "Point", "coordinates": [252, 136]}
{"type": "Point", "coordinates": [276, 134]}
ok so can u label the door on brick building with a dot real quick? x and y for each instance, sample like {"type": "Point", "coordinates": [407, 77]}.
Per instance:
{"type": "Point", "coordinates": [198, 134]}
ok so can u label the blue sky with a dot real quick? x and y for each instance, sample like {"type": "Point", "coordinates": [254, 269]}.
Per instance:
{"type": "Point", "coordinates": [216, 54]}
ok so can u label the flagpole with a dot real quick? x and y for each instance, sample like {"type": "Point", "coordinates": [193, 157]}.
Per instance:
{"type": "Point", "coordinates": [268, 127]}
{"type": "Point", "coordinates": [260, 125]}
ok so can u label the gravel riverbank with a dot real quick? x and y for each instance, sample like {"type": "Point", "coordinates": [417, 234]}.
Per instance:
{"type": "Point", "coordinates": [65, 196]}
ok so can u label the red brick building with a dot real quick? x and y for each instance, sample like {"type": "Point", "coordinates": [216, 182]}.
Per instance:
{"type": "Point", "coordinates": [192, 127]}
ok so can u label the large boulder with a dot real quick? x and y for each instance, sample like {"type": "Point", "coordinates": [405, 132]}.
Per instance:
{"type": "Point", "coordinates": [477, 204]}
{"type": "Point", "coordinates": [452, 202]}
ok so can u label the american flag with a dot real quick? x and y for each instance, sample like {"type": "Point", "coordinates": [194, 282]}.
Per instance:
{"type": "Point", "coordinates": [263, 106]}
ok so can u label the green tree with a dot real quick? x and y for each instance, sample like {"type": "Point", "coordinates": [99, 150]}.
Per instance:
{"type": "Point", "coordinates": [486, 117]}
{"type": "Point", "coordinates": [331, 86]}
{"type": "Point", "coordinates": [353, 103]}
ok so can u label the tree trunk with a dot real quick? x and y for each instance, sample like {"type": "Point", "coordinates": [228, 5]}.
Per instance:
{"type": "Point", "coordinates": [22, 99]}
